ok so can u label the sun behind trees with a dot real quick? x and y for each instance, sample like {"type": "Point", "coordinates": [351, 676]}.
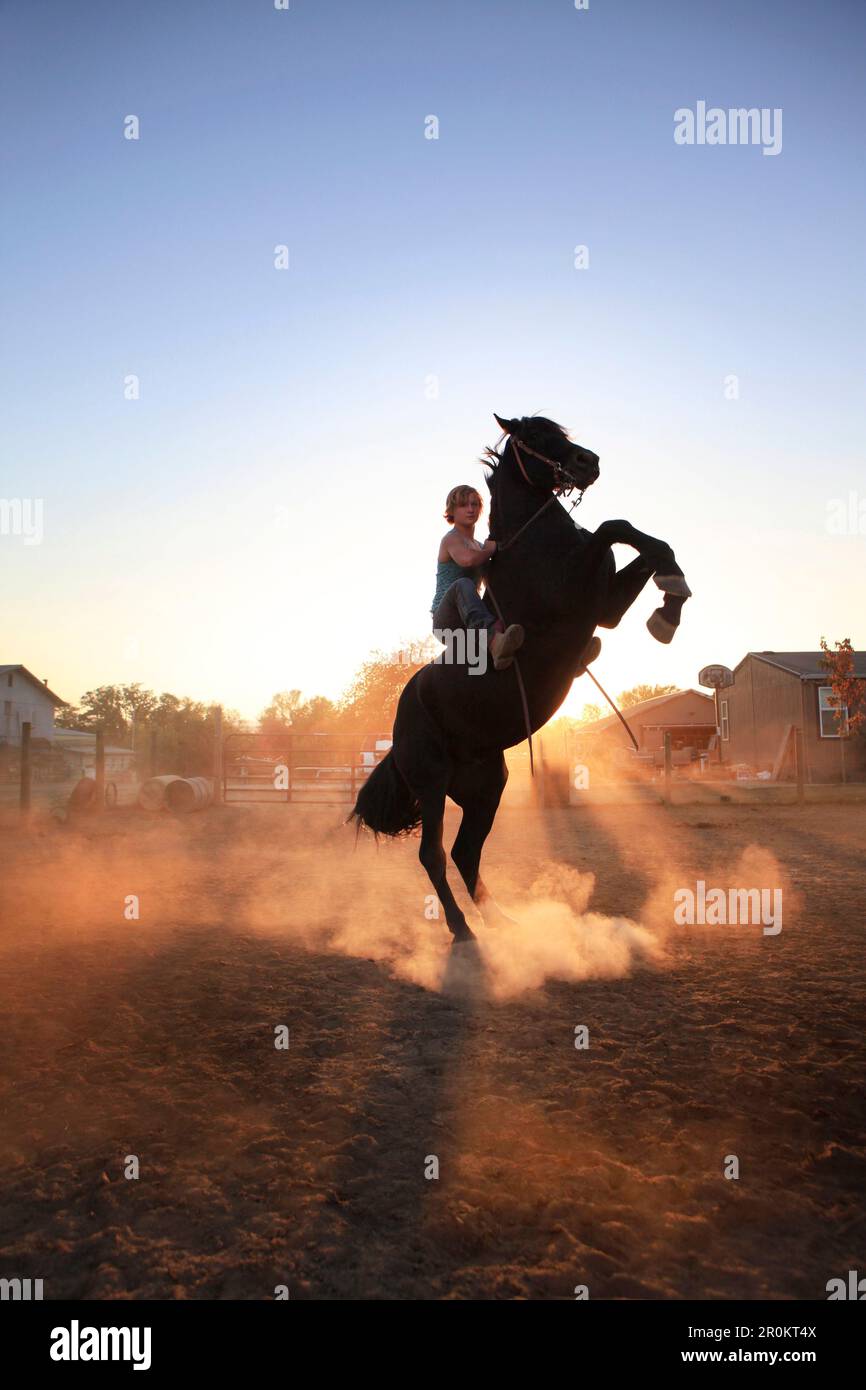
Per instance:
{"type": "Point", "coordinates": [368, 704]}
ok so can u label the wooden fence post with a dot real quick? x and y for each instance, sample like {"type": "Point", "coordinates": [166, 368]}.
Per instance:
{"type": "Point", "coordinates": [26, 768]}
{"type": "Point", "coordinates": [798, 764]}
{"type": "Point", "coordinates": [217, 755]}
{"type": "Point", "coordinates": [540, 775]}
{"type": "Point", "coordinates": [668, 765]}
{"type": "Point", "coordinates": [99, 799]}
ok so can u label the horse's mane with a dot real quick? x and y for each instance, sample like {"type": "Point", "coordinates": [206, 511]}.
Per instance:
{"type": "Point", "coordinates": [492, 456]}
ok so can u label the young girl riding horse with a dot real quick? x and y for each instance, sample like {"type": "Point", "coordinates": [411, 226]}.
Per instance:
{"type": "Point", "coordinates": [462, 565]}
{"type": "Point", "coordinates": [460, 569]}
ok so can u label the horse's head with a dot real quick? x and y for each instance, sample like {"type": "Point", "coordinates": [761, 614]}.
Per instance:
{"type": "Point", "coordinates": [546, 457]}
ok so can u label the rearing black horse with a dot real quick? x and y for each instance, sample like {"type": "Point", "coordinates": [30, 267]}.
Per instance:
{"type": "Point", "coordinates": [560, 582]}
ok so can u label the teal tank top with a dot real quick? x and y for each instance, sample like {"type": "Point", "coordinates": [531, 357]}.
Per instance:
{"type": "Point", "coordinates": [446, 573]}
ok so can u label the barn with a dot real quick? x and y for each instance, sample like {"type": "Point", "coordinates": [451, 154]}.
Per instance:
{"type": "Point", "coordinates": [773, 692]}
{"type": "Point", "coordinates": [689, 716]}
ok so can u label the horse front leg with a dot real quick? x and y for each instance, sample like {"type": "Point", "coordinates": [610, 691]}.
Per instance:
{"type": "Point", "coordinates": [624, 588]}
{"type": "Point", "coordinates": [658, 558]}
{"type": "Point", "coordinates": [432, 856]}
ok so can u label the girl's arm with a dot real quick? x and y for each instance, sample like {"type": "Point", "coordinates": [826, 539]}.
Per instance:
{"type": "Point", "coordinates": [466, 555]}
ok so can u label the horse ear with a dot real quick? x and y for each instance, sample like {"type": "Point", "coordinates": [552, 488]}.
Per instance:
{"type": "Point", "coordinates": [509, 426]}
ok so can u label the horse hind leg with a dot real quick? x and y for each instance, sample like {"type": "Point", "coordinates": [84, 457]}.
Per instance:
{"type": "Point", "coordinates": [663, 623]}
{"type": "Point", "coordinates": [654, 557]}
{"type": "Point", "coordinates": [432, 856]}
{"type": "Point", "coordinates": [479, 813]}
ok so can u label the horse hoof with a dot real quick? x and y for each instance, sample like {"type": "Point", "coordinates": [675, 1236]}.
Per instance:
{"type": "Point", "coordinates": [659, 627]}
{"type": "Point", "coordinates": [672, 584]}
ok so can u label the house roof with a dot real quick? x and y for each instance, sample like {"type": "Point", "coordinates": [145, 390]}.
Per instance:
{"type": "Point", "coordinates": [656, 702]}
{"type": "Point", "coordinates": [4, 670]}
{"type": "Point", "coordinates": [805, 664]}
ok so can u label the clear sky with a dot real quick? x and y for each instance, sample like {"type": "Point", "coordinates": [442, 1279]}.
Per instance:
{"type": "Point", "coordinates": [268, 511]}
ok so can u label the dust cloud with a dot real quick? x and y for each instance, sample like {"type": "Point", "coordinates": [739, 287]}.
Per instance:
{"type": "Point", "coordinates": [312, 887]}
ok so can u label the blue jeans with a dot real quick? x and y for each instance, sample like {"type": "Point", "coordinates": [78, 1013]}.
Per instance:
{"type": "Point", "coordinates": [461, 606]}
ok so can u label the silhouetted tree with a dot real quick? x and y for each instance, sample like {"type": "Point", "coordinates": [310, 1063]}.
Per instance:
{"type": "Point", "coordinates": [289, 712]}
{"type": "Point", "coordinates": [637, 693]}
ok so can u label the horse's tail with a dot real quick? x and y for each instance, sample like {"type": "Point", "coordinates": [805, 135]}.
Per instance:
{"type": "Point", "coordinates": [386, 803]}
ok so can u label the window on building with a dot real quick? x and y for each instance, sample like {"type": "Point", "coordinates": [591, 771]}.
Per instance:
{"type": "Point", "coordinates": [723, 717]}
{"type": "Point", "coordinates": [9, 679]}
{"type": "Point", "coordinates": [832, 716]}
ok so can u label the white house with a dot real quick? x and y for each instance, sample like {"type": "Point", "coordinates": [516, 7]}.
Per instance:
{"type": "Point", "coordinates": [24, 697]}
{"type": "Point", "coordinates": [79, 752]}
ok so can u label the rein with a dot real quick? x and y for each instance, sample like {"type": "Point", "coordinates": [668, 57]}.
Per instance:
{"type": "Point", "coordinates": [563, 480]}
{"type": "Point", "coordinates": [542, 508]}
{"type": "Point", "coordinates": [520, 685]}
{"type": "Point", "coordinates": [619, 714]}
{"type": "Point", "coordinates": [562, 484]}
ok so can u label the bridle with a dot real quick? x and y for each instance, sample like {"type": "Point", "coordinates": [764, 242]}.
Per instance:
{"type": "Point", "coordinates": [564, 482]}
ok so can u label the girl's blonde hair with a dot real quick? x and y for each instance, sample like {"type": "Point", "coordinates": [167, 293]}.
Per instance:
{"type": "Point", "coordinates": [460, 495]}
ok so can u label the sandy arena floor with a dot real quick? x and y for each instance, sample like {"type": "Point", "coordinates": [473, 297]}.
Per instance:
{"type": "Point", "coordinates": [557, 1167]}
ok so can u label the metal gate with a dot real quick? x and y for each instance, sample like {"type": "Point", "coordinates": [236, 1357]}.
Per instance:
{"type": "Point", "coordinates": [325, 768]}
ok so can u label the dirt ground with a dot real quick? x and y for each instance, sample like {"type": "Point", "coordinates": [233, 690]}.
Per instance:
{"type": "Point", "coordinates": [314, 1166]}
